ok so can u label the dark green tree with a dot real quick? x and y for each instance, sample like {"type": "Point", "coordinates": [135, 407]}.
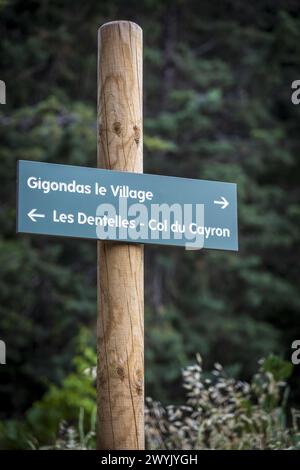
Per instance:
{"type": "Point", "coordinates": [217, 106]}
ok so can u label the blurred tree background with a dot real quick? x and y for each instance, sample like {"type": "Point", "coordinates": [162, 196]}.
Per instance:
{"type": "Point", "coordinates": [217, 105]}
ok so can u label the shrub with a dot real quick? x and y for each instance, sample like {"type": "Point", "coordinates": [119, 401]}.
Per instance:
{"type": "Point", "coordinates": [220, 412]}
{"type": "Point", "coordinates": [225, 413]}
{"type": "Point", "coordinates": [46, 419]}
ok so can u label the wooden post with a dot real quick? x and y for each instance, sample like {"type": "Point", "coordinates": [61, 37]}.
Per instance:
{"type": "Point", "coordinates": [120, 329]}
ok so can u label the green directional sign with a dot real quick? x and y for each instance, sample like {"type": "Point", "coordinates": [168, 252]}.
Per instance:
{"type": "Point", "coordinates": [101, 204]}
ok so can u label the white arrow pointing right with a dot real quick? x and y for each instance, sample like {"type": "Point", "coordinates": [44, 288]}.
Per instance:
{"type": "Point", "coordinates": [224, 203]}
{"type": "Point", "coordinates": [32, 215]}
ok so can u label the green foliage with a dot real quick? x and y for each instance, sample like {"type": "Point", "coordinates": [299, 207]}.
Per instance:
{"type": "Point", "coordinates": [165, 355]}
{"type": "Point", "coordinates": [158, 144]}
{"type": "Point", "coordinates": [280, 370]}
{"type": "Point", "coordinates": [71, 438]}
{"type": "Point", "coordinates": [220, 412]}
{"type": "Point", "coordinates": [76, 394]}
{"type": "Point", "coordinates": [224, 413]}
{"type": "Point", "coordinates": [217, 106]}
{"type": "Point", "coordinates": [45, 283]}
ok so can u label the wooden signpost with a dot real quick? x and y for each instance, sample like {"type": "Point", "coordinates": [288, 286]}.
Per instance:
{"type": "Point", "coordinates": [71, 201]}
{"type": "Point", "coordinates": [120, 330]}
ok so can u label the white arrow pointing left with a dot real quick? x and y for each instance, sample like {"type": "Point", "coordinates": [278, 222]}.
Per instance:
{"type": "Point", "coordinates": [32, 215]}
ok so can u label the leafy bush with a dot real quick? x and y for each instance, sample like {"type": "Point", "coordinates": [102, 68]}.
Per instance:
{"type": "Point", "coordinates": [70, 438]}
{"type": "Point", "coordinates": [225, 413]}
{"type": "Point", "coordinates": [220, 412]}
{"type": "Point", "coordinates": [46, 419]}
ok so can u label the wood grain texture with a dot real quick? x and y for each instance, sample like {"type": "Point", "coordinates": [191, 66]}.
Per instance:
{"type": "Point", "coordinates": [120, 328]}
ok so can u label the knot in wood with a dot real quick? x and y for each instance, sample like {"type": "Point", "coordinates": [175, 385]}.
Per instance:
{"type": "Point", "coordinates": [139, 382]}
{"type": "Point", "coordinates": [101, 129]}
{"type": "Point", "coordinates": [137, 134]}
{"type": "Point", "coordinates": [121, 373]}
{"type": "Point", "coordinates": [117, 127]}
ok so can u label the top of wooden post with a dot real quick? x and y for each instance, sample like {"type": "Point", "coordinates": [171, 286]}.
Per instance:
{"type": "Point", "coordinates": [120, 100]}
{"type": "Point", "coordinates": [120, 22]}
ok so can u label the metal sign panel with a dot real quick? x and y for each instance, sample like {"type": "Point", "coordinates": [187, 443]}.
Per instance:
{"type": "Point", "coordinates": [85, 202]}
